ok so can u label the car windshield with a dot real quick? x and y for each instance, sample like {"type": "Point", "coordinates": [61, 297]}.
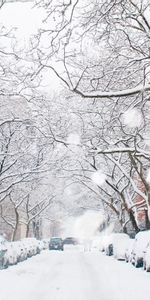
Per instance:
{"type": "Point", "coordinates": [56, 240]}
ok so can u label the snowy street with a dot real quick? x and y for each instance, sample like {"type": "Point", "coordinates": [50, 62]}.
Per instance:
{"type": "Point", "coordinates": [76, 275]}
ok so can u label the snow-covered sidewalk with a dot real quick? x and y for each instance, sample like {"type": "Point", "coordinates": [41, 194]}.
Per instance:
{"type": "Point", "coordinates": [74, 275]}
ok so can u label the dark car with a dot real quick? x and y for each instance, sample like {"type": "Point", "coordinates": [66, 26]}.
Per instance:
{"type": "Point", "coordinates": [70, 241]}
{"type": "Point", "coordinates": [56, 243]}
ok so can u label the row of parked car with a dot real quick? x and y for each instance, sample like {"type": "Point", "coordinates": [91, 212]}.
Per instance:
{"type": "Point", "coordinates": [13, 252]}
{"type": "Point", "coordinates": [122, 247]}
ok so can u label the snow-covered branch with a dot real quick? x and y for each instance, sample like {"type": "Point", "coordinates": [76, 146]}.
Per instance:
{"type": "Point", "coordinates": [136, 151]}
{"type": "Point", "coordinates": [138, 191]}
{"type": "Point", "coordinates": [114, 94]}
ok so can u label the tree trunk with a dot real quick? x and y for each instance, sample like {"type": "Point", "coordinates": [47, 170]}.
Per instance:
{"type": "Point", "coordinates": [27, 230]}
{"type": "Point", "coordinates": [133, 221]}
{"type": "Point", "coordinates": [147, 222]}
{"type": "Point", "coordinates": [15, 231]}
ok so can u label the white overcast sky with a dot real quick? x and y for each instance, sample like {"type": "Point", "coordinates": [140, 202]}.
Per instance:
{"type": "Point", "coordinates": [23, 16]}
{"type": "Point", "coordinates": [26, 19]}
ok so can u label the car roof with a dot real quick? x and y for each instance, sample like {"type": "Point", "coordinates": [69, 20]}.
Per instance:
{"type": "Point", "coordinates": [56, 237]}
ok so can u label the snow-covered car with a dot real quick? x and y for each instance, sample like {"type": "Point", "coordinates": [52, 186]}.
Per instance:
{"type": "Point", "coordinates": [120, 241]}
{"type": "Point", "coordinates": [40, 246]}
{"type": "Point", "coordinates": [21, 250]}
{"type": "Point", "coordinates": [96, 244]}
{"type": "Point", "coordinates": [31, 245]}
{"type": "Point", "coordinates": [103, 242]}
{"type": "Point", "coordinates": [11, 254]}
{"type": "Point", "coordinates": [146, 258]}
{"type": "Point", "coordinates": [128, 250]}
{"type": "Point", "coordinates": [141, 241]}
{"type": "Point", "coordinates": [28, 247]}
{"type": "Point", "coordinates": [3, 250]}
{"type": "Point", "coordinates": [108, 244]}
{"type": "Point", "coordinates": [45, 243]}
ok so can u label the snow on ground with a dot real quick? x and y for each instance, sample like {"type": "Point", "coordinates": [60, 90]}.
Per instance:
{"type": "Point", "coordinates": [74, 275]}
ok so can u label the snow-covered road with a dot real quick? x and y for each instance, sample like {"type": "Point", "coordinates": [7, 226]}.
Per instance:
{"type": "Point", "coordinates": [74, 275]}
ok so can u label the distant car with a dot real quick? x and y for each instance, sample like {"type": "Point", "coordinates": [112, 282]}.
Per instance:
{"type": "Point", "coordinates": [142, 239]}
{"type": "Point", "coordinates": [120, 241]}
{"type": "Point", "coordinates": [56, 243]}
{"type": "Point", "coordinates": [70, 241]}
